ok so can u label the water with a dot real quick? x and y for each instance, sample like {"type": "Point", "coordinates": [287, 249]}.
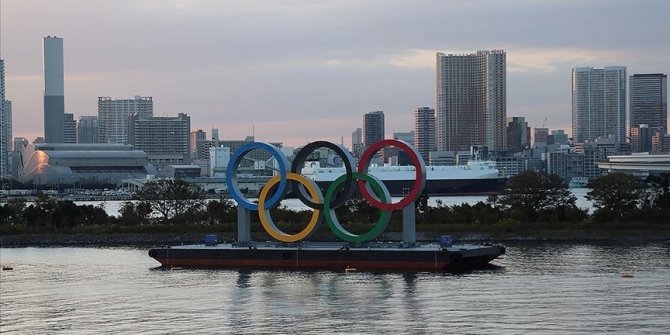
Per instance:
{"type": "Point", "coordinates": [112, 207]}
{"type": "Point", "coordinates": [536, 288]}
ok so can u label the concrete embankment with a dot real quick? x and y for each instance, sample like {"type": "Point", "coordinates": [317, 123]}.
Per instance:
{"type": "Point", "coordinates": [161, 239]}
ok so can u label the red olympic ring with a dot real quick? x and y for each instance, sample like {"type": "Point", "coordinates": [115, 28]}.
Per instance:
{"type": "Point", "coordinates": [419, 182]}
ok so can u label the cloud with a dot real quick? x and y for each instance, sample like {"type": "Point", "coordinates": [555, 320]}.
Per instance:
{"type": "Point", "coordinates": [550, 60]}
{"type": "Point", "coordinates": [524, 60]}
{"type": "Point", "coordinates": [544, 60]}
{"type": "Point", "coordinates": [414, 59]}
{"type": "Point", "coordinates": [409, 59]}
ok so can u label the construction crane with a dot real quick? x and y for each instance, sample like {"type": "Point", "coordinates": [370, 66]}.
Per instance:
{"type": "Point", "coordinates": [545, 121]}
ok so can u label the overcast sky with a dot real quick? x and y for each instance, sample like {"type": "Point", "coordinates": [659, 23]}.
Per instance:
{"type": "Point", "coordinates": [299, 71]}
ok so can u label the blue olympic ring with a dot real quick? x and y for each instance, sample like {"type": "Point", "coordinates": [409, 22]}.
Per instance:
{"type": "Point", "coordinates": [231, 175]}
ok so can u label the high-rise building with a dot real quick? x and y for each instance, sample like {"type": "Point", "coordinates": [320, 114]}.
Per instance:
{"type": "Point", "coordinates": [373, 127]}
{"type": "Point", "coordinates": [424, 131]}
{"type": "Point", "coordinates": [164, 139]}
{"type": "Point", "coordinates": [518, 133]}
{"type": "Point", "coordinates": [87, 129]}
{"type": "Point", "coordinates": [7, 123]}
{"type": "Point", "coordinates": [599, 103]}
{"type": "Point", "coordinates": [405, 136]}
{"type": "Point", "coordinates": [660, 143]}
{"type": "Point", "coordinates": [540, 136]}
{"type": "Point", "coordinates": [200, 144]}
{"type": "Point", "coordinates": [202, 149]}
{"type": "Point", "coordinates": [649, 100]}
{"type": "Point", "coordinates": [215, 137]}
{"type": "Point", "coordinates": [641, 137]}
{"type": "Point", "coordinates": [4, 166]}
{"type": "Point", "coordinates": [557, 137]}
{"type": "Point", "coordinates": [196, 136]}
{"type": "Point", "coordinates": [396, 156]}
{"type": "Point", "coordinates": [357, 141]}
{"type": "Point", "coordinates": [54, 90]}
{"type": "Point", "coordinates": [69, 128]}
{"type": "Point", "coordinates": [471, 101]}
{"type": "Point", "coordinates": [113, 117]}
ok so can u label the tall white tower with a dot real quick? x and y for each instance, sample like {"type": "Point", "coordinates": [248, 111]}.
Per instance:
{"type": "Point", "coordinates": [599, 103]}
{"type": "Point", "coordinates": [54, 90]}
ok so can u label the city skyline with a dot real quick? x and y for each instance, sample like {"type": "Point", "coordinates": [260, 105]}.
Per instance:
{"type": "Point", "coordinates": [269, 69]}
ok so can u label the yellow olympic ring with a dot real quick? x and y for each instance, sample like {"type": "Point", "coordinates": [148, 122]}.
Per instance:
{"type": "Point", "coordinates": [266, 219]}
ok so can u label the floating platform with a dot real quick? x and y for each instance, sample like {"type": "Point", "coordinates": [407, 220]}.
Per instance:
{"type": "Point", "coordinates": [386, 256]}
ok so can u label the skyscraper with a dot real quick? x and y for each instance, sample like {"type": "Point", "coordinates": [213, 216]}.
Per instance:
{"type": "Point", "coordinates": [357, 141]}
{"type": "Point", "coordinates": [7, 123]}
{"type": "Point", "coordinates": [54, 90]}
{"type": "Point", "coordinates": [518, 133]}
{"type": "Point", "coordinates": [69, 129]}
{"type": "Point", "coordinates": [424, 131]}
{"type": "Point", "coordinates": [198, 136]}
{"type": "Point", "coordinates": [87, 129]}
{"type": "Point", "coordinates": [649, 100]}
{"type": "Point", "coordinates": [471, 100]}
{"type": "Point", "coordinates": [599, 103]}
{"type": "Point", "coordinates": [113, 117]}
{"type": "Point", "coordinates": [215, 137]}
{"type": "Point", "coordinates": [540, 136]}
{"type": "Point", "coordinates": [4, 168]}
{"type": "Point", "coordinates": [373, 127]}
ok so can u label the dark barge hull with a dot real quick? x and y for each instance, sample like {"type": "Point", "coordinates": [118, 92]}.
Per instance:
{"type": "Point", "coordinates": [328, 257]}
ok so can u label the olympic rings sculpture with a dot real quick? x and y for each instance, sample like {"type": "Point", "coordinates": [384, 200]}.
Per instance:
{"type": "Point", "coordinates": [371, 188]}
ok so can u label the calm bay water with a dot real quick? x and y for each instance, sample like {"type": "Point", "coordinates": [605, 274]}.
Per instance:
{"type": "Point", "coordinates": [536, 288]}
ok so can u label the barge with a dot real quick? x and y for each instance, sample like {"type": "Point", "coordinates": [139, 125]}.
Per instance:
{"type": "Point", "coordinates": [386, 256]}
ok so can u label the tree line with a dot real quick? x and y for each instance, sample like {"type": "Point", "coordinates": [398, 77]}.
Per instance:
{"type": "Point", "coordinates": [530, 197]}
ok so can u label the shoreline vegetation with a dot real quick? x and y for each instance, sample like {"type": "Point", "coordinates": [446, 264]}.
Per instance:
{"type": "Point", "coordinates": [531, 207]}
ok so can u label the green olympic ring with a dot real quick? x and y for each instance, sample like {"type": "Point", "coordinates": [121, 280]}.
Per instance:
{"type": "Point", "coordinates": [378, 188]}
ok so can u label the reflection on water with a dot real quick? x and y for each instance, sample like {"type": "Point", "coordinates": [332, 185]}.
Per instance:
{"type": "Point", "coordinates": [535, 287]}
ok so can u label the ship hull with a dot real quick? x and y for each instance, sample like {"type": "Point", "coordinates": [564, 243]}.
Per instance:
{"type": "Point", "coordinates": [398, 188]}
{"type": "Point", "coordinates": [328, 257]}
